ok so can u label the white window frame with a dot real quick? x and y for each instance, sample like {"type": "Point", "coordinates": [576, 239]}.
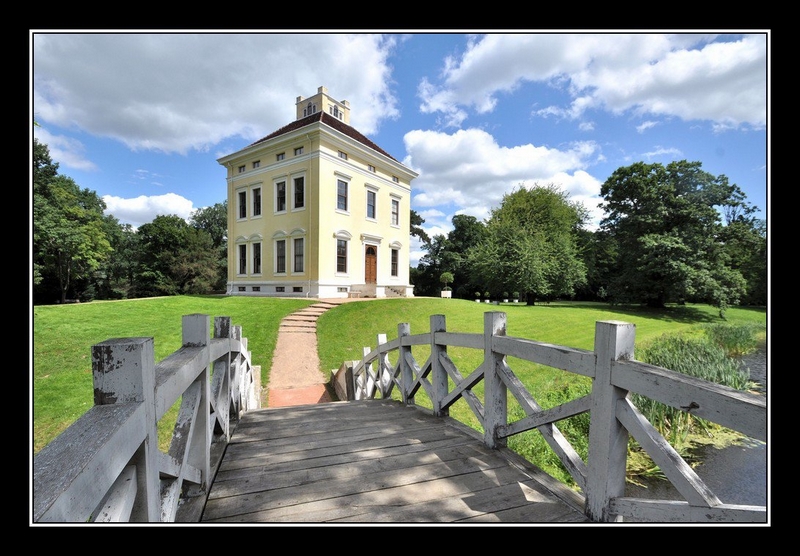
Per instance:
{"type": "Point", "coordinates": [256, 252]}
{"type": "Point", "coordinates": [345, 236]}
{"type": "Point", "coordinates": [299, 150]}
{"type": "Point", "coordinates": [302, 241]}
{"type": "Point", "coordinates": [276, 184]}
{"type": "Point", "coordinates": [256, 195]}
{"type": "Point", "coordinates": [241, 259]}
{"type": "Point", "coordinates": [294, 192]}
{"type": "Point", "coordinates": [275, 242]}
{"type": "Point", "coordinates": [241, 204]}
{"type": "Point", "coordinates": [395, 214]}
{"type": "Point", "coordinates": [374, 192]}
{"type": "Point", "coordinates": [346, 182]}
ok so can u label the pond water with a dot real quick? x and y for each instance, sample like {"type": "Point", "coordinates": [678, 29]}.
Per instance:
{"type": "Point", "coordinates": [736, 474]}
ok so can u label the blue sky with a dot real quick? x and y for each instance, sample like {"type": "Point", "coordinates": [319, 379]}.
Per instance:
{"type": "Point", "coordinates": [141, 118]}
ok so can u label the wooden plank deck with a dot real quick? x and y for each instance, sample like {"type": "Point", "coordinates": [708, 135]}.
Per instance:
{"type": "Point", "coordinates": [376, 461]}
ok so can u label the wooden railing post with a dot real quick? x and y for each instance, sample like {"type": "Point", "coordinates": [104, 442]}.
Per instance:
{"type": "Point", "coordinates": [438, 372]}
{"type": "Point", "coordinates": [608, 439]}
{"type": "Point", "coordinates": [406, 372]}
{"type": "Point", "coordinates": [224, 379]}
{"type": "Point", "coordinates": [383, 375]}
{"type": "Point", "coordinates": [495, 393]}
{"type": "Point", "coordinates": [197, 332]}
{"type": "Point", "coordinates": [123, 371]}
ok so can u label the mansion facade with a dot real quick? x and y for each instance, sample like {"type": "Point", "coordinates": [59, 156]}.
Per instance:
{"type": "Point", "coordinates": [316, 209]}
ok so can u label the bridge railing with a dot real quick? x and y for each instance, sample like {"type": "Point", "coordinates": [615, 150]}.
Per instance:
{"type": "Point", "coordinates": [107, 466]}
{"type": "Point", "coordinates": [613, 416]}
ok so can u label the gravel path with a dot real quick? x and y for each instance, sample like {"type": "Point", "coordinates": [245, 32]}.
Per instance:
{"type": "Point", "coordinates": [295, 377]}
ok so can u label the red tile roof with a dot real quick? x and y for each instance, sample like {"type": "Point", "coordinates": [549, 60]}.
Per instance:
{"type": "Point", "coordinates": [330, 121]}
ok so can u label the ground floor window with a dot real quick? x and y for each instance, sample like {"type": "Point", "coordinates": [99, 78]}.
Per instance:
{"type": "Point", "coordinates": [299, 258]}
{"type": "Point", "coordinates": [280, 256]}
{"type": "Point", "coordinates": [243, 259]}
{"type": "Point", "coordinates": [341, 255]}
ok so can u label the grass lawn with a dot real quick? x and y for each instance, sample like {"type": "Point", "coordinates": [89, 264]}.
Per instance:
{"type": "Point", "coordinates": [343, 333]}
{"type": "Point", "coordinates": [61, 375]}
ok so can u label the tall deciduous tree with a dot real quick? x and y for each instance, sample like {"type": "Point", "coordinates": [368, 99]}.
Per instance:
{"type": "Point", "coordinates": [69, 239]}
{"type": "Point", "coordinates": [175, 259]}
{"type": "Point", "coordinates": [531, 245]}
{"type": "Point", "coordinates": [666, 222]}
{"type": "Point", "coordinates": [214, 220]}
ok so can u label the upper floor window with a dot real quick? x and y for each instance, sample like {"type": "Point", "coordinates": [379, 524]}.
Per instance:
{"type": "Point", "coordinates": [395, 179]}
{"type": "Point", "coordinates": [395, 212]}
{"type": "Point", "coordinates": [280, 196]}
{"type": "Point", "coordinates": [310, 109]}
{"type": "Point", "coordinates": [335, 112]}
{"type": "Point", "coordinates": [256, 164]}
{"type": "Point", "coordinates": [371, 168]}
{"type": "Point", "coordinates": [343, 155]}
{"type": "Point", "coordinates": [242, 168]}
{"type": "Point", "coordinates": [256, 201]}
{"type": "Point", "coordinates": [280, 156]}
{"type": "Point", "coordinates": [371, 199]}
{"type": "Point", "coordinates": [298, 151]}
{"type": "Point", "coordinates": [341, 195]}
{"type": "Point", "coordinates": [242, 204]}
{"type": "Point", "coordinates": [299, 192]}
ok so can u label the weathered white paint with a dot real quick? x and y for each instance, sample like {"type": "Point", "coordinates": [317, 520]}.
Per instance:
{"type": "Point", "coordinates": [107, 465]}
{"type": "Point", "coordinates": [615, 373]}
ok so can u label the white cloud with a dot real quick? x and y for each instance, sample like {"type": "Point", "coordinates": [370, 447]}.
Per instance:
{"type": "Point", "coordinates": [470, 172]}
{"type": "Point", "coordinates": [65, 150]}
{"type": "Point", "coordinates": [143, 210]}
{"type": "Point", "coordinates": [659, 74]}
{"type": "Point", "coordinates": [198, 89]}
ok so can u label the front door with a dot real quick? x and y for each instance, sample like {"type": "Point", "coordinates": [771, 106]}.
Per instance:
{"type": "Point", "coordinates": [370, 265]}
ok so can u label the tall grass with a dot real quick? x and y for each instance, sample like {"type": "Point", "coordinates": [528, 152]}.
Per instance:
{"type": "Point", "coordinates": [709, 356]}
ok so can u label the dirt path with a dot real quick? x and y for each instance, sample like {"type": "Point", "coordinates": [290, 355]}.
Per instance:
{"type": "Point", "coordinates": [295, 377]}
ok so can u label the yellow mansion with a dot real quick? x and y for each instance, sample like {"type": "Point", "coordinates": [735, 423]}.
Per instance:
{"type": "Point", "coordinates": [316, 209]}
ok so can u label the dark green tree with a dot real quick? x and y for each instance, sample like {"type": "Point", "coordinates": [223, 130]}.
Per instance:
{"type": "Point", "coordinates": [416, 228]}
{"type": "Point", "coordinates": [214, 220]}
{"type": "Point", "coordinates": [667, 227]}
{"type": "Point", "coordinates": [531, 245]}
{"type": "Point", "coordinates": [175, 259]}
{"type": "Point", "coordinates": [69, 236]}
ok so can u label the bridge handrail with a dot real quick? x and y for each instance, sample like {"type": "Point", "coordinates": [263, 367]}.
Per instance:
{"type": "Point", "coordinates": [613, 417]}
{"type": "Point", "coordinates": [107, 466]}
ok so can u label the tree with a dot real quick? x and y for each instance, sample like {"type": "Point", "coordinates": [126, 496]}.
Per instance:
{"type": "Point", "coordinates": [214, 220]}
{"type": "Point", "coordinates": [446, 278]}
{"type": "Point", "coordinates": [416, 228]}
{"type": "Point", "coordinates": [175, 259]}
{"type": "Point", "coordinates": [69, 236]}
{"type": "Point", "coordinates": [666, 224]}
{"type": "Point", "coordinates": [531, 245]}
